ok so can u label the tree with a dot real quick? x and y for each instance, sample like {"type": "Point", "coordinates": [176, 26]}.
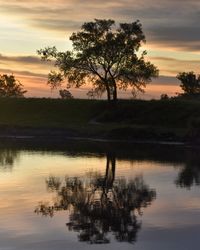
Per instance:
{"type": "Point", "coordinates": [94, 93]}
{"type": "Point", "coordinates": [100, 205]}
{"type": "Point", "coordinates": [190, 83]}
{"type": "Point", "coordinates": [65, 94]}
{"type": "Point", "coordinates": [8, 157]}
{"type": "Point", "coordinates": [10, 87]}
{"type": "Point", "coordinates": [164, 97]}
{"type": "Point", "coordinates": [189, 174]}
{"type": "Point", "coordinates": [106, 56]}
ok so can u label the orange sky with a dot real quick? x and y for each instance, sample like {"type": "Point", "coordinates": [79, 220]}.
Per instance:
{"type": "Point", "coordinates": [172, 35]}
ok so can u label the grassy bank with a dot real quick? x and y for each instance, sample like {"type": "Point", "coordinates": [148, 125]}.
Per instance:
{"type": "Point", "coordinates": [170, 119]}
{"type": "Point", "coordinates": [36, 112]}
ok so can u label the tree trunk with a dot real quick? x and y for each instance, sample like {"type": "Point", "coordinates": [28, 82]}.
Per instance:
{"type": "Point", "coordinates": [115, 93]}
{"type": "Point", "coordinates": [108, 93]}
{"type": "Point", "coordinates": [110, 171]}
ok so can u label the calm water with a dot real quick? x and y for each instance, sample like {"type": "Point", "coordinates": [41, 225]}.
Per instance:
{"type": "Point", "coordinates": [95, 196]}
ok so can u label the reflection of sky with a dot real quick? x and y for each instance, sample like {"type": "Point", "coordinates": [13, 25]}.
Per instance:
{"type": "Point", "coordinates": [172, 35]}
{"type": "Point", "coordinates": [170, 222]}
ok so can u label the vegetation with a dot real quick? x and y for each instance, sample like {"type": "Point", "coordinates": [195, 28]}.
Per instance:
{"type": "Point", "coordinates": [100, 204]}
{"type": "Point", "coordinates": [190, 83]}
{"type": "Point", "coordinates": [65, 94]}
{"type": "Point", "coordinates": [187, 158]}
{"type": "Point", "coordinates": [94, 93]}
{"type": "Point", "coordinates": [173, 119]}
{"type": "Point", "coordinates": [105, 56]}
{"type": "Point", "coordinates": [164, 97]}
{"type": "Point", "coordinates": [10, 87]}
{"type": "Point", "coordinates": [42, 112]}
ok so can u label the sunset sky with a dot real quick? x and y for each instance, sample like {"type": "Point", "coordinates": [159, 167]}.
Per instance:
{"type": "Point", "coordinates": [171, 29]}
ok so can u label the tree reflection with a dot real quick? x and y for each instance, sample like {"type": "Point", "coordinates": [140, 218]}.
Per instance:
{"type": "Point", "coordinates": [100, 205]}
{"type": "Point", "coordinates": [7, 158]}
{"type": "Point", "coordinates": [190, 173]}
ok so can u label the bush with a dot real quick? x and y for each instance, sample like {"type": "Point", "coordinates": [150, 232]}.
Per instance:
{"type": "Point", "coordinates": [10, 87]}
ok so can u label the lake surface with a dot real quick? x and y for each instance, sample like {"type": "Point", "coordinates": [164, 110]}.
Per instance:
{"type": "Point", "coordinates": [99, 196]}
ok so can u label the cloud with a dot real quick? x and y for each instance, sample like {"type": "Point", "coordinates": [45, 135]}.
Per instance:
{"type": "Point", "coordinates": [179, 37]}
{"type": "Point", "coordinates": [56, 25]}
{"type": "Point", "coordinates": [22, 73]}
{"type": "Point", "coordinates": [172, 66]}
{"type": "Point", "coordinates": [166, 23]}
{"type": "Point", "coordinates": [25, 65]}
{"type": "Point", "coordinates": [174, 60]}
{"type": "Point", "coordinates": [21, 59]}
{"type": "Point", "coordinates": [166, 81]}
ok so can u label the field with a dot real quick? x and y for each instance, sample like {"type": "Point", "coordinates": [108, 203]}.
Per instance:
{"type": "Point", "coordinates": [127, 119]}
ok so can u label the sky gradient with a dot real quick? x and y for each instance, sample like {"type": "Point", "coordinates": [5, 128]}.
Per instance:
{"type": "Point", "coordinates": [171, 29]}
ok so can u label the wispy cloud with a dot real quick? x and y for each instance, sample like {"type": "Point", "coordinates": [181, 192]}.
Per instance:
{"type": "Point", "coordinates": [22, 73]}
{"type": "Point", "coordinates": [173, 23]}
{"type": "Point", "coordinates": [21, 59]}
{"type": "Point", "coordinates": [172, 66]}
{"type": "Point", "coordinates": [169, 25]}
{"type": "Point", "coordinates": [25, 64]}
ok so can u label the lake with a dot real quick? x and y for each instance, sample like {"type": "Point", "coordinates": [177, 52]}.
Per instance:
{"type": "Point", "coordinates": [94, 195]}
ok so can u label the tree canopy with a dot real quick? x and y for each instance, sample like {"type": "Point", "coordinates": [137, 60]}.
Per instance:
{"type": "Point", "coordinates": [99, 204]}
{"type": "Point", "coordinates": [104, 55]}
{"type": "Point", "coordinates": [65, 94]}
{"type": "Point", "coordinates": [190, 83]}
{"type": "Point", "coordinates": [10, 87]}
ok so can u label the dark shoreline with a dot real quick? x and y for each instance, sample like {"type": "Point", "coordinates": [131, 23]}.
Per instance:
{"type": "Point", "coordinates": [62, 135]}
{"type": "Point", "coordinates": [138, 121]}
{"type": "Point", "coordinates": [159, 151]}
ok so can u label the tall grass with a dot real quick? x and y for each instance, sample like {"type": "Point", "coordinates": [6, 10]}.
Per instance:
{"type": "Point", "coordinates": [43, 112]}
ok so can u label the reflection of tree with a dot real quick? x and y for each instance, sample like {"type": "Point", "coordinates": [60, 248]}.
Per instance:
{"type": "Point", "coordinates": [7, 158]}
{"type": "Point", "coordinates": [100, 205]}
{"type": "Point", "coordinates": [189, 176]}
{"type": "Point", "coordinates": [190, 173]}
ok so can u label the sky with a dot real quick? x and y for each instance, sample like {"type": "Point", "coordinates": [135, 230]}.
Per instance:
{"type": "Point", "coordinates": [171, 28]}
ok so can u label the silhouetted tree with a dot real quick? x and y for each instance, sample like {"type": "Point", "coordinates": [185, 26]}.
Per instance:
{"type": "Point", "coordinates": [65, 94]}
{"type": "Point", "coordinates": [189, 176]}
{"type": "Point", "coordinates": [190, 83]}
{"type": "Point", "coordinates": [100, 204]}
{"type": "Point", "coordinates": [7, 158]}
{"type": "Point", "coordinates": [106, 56]}
{"type": "Point", "coordinates": [94, 93]}
{"type": "Point", "coordinates": [190, 173]}
{"type": "Point", "coordinates": [164, 97]}
{"type": "Point", "coordinates": [10, 87]}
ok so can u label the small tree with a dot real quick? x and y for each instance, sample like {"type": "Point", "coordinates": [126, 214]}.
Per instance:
{"type": "Point", "coordinates": [94, 93]}
{"type": "Point", "coordinates": [106, 56]}
{"type": "Point", "coordinates": [10, 87]}
{"type": "Point", "coordinates": [190, 83]}
{"type": "Point", "coordinates": [164, 97]}
{"type": "Point", "coordinates": [65, 94]}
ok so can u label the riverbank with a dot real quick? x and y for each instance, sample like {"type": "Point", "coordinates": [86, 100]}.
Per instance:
{"type": "Point", "coordinates": [128, 120]}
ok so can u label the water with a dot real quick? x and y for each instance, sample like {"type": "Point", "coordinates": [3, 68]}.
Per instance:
{"type": "Point", "coordinates": [99, 196]}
